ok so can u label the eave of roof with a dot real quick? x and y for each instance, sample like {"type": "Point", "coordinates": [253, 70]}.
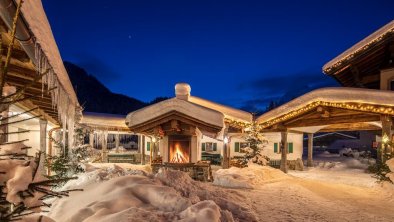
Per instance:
{"type": "Point", "coordinates": [104, 120]}
{"type": "Point", "coordinates": [34, 15]}
{"type": "Point", "coordinates": [196, 111]}
{"type": "Point", "coordinates": [335, 96]}
{"type": "Point", "coordinates": [359, 48]}
{"type": "Point", "coordinates": [228, 112]}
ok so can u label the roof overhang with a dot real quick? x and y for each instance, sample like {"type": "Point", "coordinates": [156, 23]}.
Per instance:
{"type": "Point", "coordinates": [147, 118]}
{"type": "Point", "coordinates": [366, 44]}
{"type": "Point", "coordinates": [360, 65]}
{"type": "Point", "coordinates": [361, 105]}
{"type": "Point", "coordinates": [103, 121]}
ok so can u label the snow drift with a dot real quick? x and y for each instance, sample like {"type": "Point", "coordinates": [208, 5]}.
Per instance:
{"type": "Point", "coordinates": [117, 194]}
{"type": "Point", "coordinates": [247, 177]}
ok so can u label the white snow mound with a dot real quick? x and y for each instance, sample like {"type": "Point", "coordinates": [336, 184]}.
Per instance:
{"type": "Point", "coordinates": [247, 177]}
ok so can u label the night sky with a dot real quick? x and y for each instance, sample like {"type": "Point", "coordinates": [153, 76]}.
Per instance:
{"type": "Point", "coordinates": [239, 53]}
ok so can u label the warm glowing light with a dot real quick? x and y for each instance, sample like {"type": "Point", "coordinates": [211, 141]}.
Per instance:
{"type": "Point", "coordinates": [178, 156]}
{"type": "Point", "coordinates": [385, 139]}
{"type": "Point", "coordinates": [225, 140]}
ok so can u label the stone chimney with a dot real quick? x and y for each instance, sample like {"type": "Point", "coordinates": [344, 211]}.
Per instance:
{"type": "Point", "coordinates": [182, 91]}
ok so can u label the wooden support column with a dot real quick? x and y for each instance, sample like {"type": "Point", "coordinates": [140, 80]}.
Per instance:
{"type": "Point", "coordinates": [310, 150]}
{"type": "Point", "coordinates": [142, 149]}
{"type": "Point", "coordinates": [151, 152]}
{"type": "Point", "coordinates": [226, 145]}
{"type": "Point", "coordinates": [104, 150]}
{"type": "Point", "coordinates": [284, 148]}
{"type": "Point", "coordinates": [43, 145]}
{"type": "Point", "coordinates": [117, 141]}
{"type": "Point", "coordinates": [154, 150]}
{"type": "Point", "coordinates": [387, 134]}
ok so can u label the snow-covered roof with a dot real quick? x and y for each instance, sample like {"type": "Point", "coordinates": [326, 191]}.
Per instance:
{"type": "Point", "coordinates": [104, 120]}
{"type": "Point", "coordinates": [34, 14]}
{"type": "Point", "coordinates": [229, 112]}
{"type": "Point", "coordinates": [360, 47]}
{"type": "Point", "coordinates": [335, 95]}
{"type": "Point", "coordinates": [190, 109]}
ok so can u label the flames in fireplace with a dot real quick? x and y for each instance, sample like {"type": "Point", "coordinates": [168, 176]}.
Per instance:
{"type": "Point", "coordinates": [179, 152]}
{"type": "Point", "coordinates": [179, 156]}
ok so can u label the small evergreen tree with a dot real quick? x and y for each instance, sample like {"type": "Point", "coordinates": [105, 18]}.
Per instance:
{"type": "Point", "coordinates": [256, 142]}
{"type": "Point", "coordinates": [380, 169]}
{"type": "Point", "coordinates": [69, 163]}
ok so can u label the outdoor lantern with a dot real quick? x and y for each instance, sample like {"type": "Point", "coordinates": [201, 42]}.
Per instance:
{"type": "Point", "coordinates": [225, 140]}
{"type": "Point", "coordinates": [385, 139]}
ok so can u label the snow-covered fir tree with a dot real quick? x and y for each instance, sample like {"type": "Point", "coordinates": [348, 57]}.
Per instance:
{"type": "Point", "coordinates": [256, 142]}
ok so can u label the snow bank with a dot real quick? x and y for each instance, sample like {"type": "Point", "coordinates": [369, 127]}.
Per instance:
{"type": "Point", "coordinates": [106, 201]}
{"type": "Point", "coordinates": [96, 173]}
{"type": "Point", "coordinates": [342, 161]}
{"type": "Point", "coordinates": [118, 194]}
{"type": "Point", "coordinates": [231, 203]}
{"type": "Point", "coordinates": [247, 177]}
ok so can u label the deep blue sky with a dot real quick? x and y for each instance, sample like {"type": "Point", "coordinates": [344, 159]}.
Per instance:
{"type": "Point", "coordinates": [239, 53]}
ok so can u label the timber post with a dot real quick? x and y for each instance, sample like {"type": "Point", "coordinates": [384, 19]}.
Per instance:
{"type": "Point", "coordinates": [284, 147]}
{"type": "Point", "coordinates": [43, 145]}
{"type": "Point", "coordinates": [226, 145]}
{"type": "Point", "coordinates": [142, 149]}
{"type": "Point", "coordinates": [117, 142]}
{"type": "Point", "coordinates": [310, 150]}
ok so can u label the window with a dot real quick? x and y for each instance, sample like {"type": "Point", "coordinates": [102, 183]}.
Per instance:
{"type": "Point", "coordinates": [240, 146]}
{"type": "Point", "coordinates": [276, 148]}
{"type": "Point", "coordinates": [209, 147]}
{"type": "Point", "coordinates": [290, 148]}
{"type": "Point", "coordinates": [236, 146]}
{"type": "Point", "coordinates": [148, 146]}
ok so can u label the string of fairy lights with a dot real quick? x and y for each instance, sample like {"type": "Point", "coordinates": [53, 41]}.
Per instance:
{"type": "Point", "coordinates": [370, 108]}
{"type": "Point", "coordinates": [337, 62]}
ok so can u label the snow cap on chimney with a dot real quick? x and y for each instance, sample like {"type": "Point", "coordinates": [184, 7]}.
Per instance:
{"type": "Point", "coordinates": [182, 91]}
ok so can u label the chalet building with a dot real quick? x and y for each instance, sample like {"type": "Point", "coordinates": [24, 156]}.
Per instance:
{"type": "Point", "coordinates": [43, 98]}
{"type": "Point", "coordinates": [197, 129]}
{"type": "Point", "coordinates": [187, 129]}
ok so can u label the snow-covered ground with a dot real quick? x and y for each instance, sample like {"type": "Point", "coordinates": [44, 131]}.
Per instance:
{"type": "Point", "coordinates": [333, 168]}
{"type": "Point", "coordinates": [337, 190]}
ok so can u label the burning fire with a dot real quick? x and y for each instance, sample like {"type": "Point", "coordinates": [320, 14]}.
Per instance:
{"type": "Point", "coordinates": [178, 156]}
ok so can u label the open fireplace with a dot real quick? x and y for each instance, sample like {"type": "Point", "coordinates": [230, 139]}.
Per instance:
{"type": "Point", "coordinates": [179, 149]}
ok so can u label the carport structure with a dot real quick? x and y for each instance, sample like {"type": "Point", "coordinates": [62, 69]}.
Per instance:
{"type": "Point", "coordinates": [330, 110]}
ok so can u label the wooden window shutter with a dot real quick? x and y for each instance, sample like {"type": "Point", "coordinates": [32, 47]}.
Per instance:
{"type": "Point", "coordinates": [275, 147]}
{"type": "Point", "coordinates": [290, 147]}
{"type": "Point", "coordinates": [215, 146]}
{"type": "Point", "coordinates": [148, 146]}
{"type": "Point", "coordinates": [236, 146]}
{"type": "Point", "coordinates": [203, 146]}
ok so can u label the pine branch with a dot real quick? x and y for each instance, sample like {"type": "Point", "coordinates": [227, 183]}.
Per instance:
{"type": "Point", "coordinates": [18, 121]}
{"type": "Point", "coordinates": [8, 133]}
{"type": "Point", "coordinates": [13, 142]}
{"type": "Point", "coordinates": [44, 182]}
{"type": "Point", "coordinates": [18, 114]}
